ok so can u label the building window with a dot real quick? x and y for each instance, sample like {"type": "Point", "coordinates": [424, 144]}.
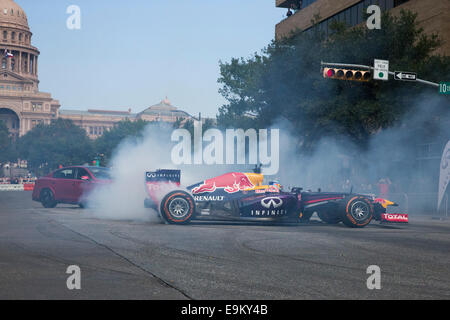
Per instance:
{"type": "Point", "coordinates": [5, 35]}
{"type": "Point", "coordinates": [13, 64]}
{"type": "Point", "coordinates": [4, 63]}
{"type": "Point", "coordinates": [13, 36]}
{"type": "Point", "coordinates": [399, 2]}
{"type": "Point", "coordinates": [20, 37]}
{"type": "Point", "coordinates": [36, 106]}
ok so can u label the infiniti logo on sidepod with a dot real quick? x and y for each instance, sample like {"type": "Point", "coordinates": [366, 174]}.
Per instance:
{"type": "Point", "coordinates": [273, 202]}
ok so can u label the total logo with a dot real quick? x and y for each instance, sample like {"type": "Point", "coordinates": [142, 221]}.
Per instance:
{"type": "Point", "coordinates": [272, 202]}
{"type": "Point", "coordinates": [395, 217]}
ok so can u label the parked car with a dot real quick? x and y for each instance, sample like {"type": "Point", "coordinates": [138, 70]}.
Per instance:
{"type": "Point", "coordinates": [69, 185]}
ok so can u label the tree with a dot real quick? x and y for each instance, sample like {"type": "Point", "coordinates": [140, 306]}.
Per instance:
{"type": "Point", "coordinates": [4, 140]}
{"type": "Point", "coordinates": [284, 82]}
{"type": "Point", "coordinates": [7, 147]}
{"type": "Point", "coordinates": [45, 147]}
{"type": "Point", "coordinates": [108, 142]}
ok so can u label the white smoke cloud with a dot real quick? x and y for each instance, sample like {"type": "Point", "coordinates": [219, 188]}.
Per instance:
{"type": "Point", "coordinates": [329, 167]}
{"type": "Point", "coordinates": [123, 199]}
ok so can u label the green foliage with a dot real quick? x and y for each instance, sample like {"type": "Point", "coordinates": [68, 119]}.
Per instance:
{"type": "Point", "coordinates": [285, 82]}
{"type": "Point", "coordinates": [8, 150]}
{"type": "Point", "coordinates": [45, 147]}
{"type": "Point", "coordinates": [108, 142]}
{"type": "Point", "coordinates": [4, 138]}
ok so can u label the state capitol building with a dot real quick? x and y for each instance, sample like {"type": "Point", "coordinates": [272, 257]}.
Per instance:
{"type": "Point", "coordinates": [23, 106]}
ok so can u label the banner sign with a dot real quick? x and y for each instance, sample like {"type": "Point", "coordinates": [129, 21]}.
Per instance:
{"type": "Point", "coordinates": [444, 177]}
{"type": "Point", "coordinates": [11, 187]}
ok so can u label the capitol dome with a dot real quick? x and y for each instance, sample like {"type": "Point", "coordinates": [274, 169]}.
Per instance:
{"type": "Point", "coordinates": [12, 15]}
{"type": "Point", "coordinates": [17, 54]}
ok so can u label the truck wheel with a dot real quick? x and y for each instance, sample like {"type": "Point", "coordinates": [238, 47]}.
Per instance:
{"type": "Point", "coordinates": [358, 212]}
{"type": "Point", "coordinates": [177, 207]}
{"type": "Point", "coordinates": [47, 198]}
{"type": "Point", "coordinates": [83, 204]}
{"type": "Point", "coordinates": [328, 217]}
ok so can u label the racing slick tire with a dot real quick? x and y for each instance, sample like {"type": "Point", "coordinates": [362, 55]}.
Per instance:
{"type": "Point", "coordinates": [177, 207]}
{"type": "Point", "coordinates": [327, 217]}
{"type": "Point", "coordinates": [358, 212]}
{"type": "Point", "coordinates": [47, 198]}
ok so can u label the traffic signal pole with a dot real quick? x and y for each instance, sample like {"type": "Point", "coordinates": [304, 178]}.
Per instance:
{"type": "Point", "coordinates": [348, 65]}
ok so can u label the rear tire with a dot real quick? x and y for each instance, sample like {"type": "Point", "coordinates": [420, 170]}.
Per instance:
{"type": "Point", "coordinates": [358, 212]}
{"type": "Point", "coordinates": [177, 207]}
{"type": "Point", "coordinates": [47, 198]}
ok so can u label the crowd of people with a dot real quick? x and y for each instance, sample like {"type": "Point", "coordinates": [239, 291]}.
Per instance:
{"type": "Point", "coordinates": [383, 187]}
{"type": "Point", "coordinates": [18, 180]}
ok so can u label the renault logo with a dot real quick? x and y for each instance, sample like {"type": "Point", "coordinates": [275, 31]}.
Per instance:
{"type": "Point", "coordinates": [271, 202]}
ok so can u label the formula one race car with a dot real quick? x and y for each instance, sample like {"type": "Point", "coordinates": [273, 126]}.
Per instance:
{"type": "Point", "coordinates": [242, 196]}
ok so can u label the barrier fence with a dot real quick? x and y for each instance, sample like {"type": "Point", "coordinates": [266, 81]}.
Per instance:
{"type": "Point", "coordinates": [17, 187]}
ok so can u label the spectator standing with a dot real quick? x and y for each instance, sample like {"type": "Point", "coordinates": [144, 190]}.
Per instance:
{"type": "Point", "coordinates": [383, 186]}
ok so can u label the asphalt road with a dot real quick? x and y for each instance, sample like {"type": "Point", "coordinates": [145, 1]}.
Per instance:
{"type": "Point", "coordinates": [149, 260]}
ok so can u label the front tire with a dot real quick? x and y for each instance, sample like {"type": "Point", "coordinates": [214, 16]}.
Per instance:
{"type": "Point", "coordinates": [358, 212]}
{"type": "Point", "coordinates": [48, 198]}
{"type": "Point", "coordinates": [177, 207]}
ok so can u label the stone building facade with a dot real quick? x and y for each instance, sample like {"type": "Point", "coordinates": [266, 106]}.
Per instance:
{"type": "Point", "coordinates": [432, 15]}
{"type": "Point", "coordinates": [22, 105]}
{"type": "Point", "coordinates": [96, 121]}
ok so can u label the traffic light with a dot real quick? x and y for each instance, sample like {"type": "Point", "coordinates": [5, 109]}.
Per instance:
{"type": "Point", "coordinates": [346, 74]}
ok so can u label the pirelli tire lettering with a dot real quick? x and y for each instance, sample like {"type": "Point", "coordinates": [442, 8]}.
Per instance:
{"type": "Point", "coordinates": [358, 212]}
{"type": "Point", "coordinates": [177, 207]}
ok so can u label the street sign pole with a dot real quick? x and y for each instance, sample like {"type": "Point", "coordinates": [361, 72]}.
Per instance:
{"type": "Point", "coordinates": [405, 76]}
{"type": "Point", "coordinates": [381, 70]}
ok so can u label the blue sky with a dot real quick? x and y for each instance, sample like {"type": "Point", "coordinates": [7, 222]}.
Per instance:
{"type": "Point", "coordinates": [134, 53]}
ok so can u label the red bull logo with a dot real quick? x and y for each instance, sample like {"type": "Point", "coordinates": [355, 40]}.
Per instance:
{"type": "Point", "coordinates": [230, 183]}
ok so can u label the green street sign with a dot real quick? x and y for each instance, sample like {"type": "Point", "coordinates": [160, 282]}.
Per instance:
{"type": "Point", "coordinates": [444, 87]}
